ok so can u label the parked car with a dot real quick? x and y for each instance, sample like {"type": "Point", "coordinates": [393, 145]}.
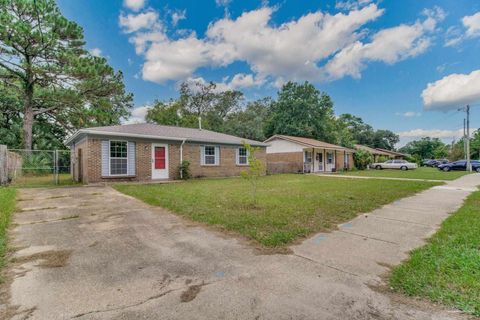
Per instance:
{"type": "Point", "coordinates": [429, 162]}
{"type": "Point", "coordinates": [394, 164]}
{"type": "Point", "coordinates": [434, 162]}
{"type": "Point", "coordinates": [460, 165]}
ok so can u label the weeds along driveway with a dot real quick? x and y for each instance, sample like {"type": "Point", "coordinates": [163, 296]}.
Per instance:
{"type": "Point", "coordinates": [94, 253]}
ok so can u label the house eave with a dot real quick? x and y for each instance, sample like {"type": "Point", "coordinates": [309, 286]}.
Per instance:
{"type": "Point", "coordinates": [81, 132]}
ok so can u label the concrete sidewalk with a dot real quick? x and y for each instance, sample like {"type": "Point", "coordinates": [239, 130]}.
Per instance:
{"type": "Point", "coordinates": [94, 253]}
{"type": "Point", "coordinates": [384, 236]}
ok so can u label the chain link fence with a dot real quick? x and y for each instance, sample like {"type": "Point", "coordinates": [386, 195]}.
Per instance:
{"type": "Point", "coordinates": [32, 168]}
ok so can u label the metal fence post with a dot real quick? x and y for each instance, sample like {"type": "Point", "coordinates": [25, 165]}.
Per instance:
{"type": "Point", "coordinates": [56, 167]}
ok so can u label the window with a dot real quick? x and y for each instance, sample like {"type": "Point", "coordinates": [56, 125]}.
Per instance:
{"type": "Point", "coordinates": [389, 161]}
{"type": "Point", "coordinates": [329, 157]}
{"type": "Point", "coordinates": [209, 155]}
{"type": "Point", "coordinates": [242, 156]}
{"type": "Point", "coordinates": [118, 158]}
{"type": "Point", "coordinates": [308, 157]}
{"type": "Point", "coordinates": [345, 159]}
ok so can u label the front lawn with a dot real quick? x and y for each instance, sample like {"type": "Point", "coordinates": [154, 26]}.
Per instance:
{"type": "Point", "coordinates": [419, 173]}
{"type": "Point", "coordinates": [7, 205]}
{"type": "Point", "coordinates": [447, 269]}
{"type": "Point", "coordinates": [289, 206]}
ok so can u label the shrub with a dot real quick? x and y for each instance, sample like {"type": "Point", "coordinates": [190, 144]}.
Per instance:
{"type": "Point", "coordinates": [362, 159]}
{"type": "Point", "coordinates": [184, 170]}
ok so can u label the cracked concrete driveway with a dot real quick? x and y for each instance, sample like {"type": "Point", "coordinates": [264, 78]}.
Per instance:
{"type": "Point", "coordinates": [94, 253]}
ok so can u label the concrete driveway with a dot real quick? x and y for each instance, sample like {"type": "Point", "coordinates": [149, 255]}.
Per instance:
{"type": "Point", "coordinates": [94, 253]}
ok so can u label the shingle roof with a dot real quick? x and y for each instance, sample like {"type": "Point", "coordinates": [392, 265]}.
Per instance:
{"type": "Point", "coordinates": [309, 142]}
{"type": "Point", "coordinates": [153, 131]}
{"type": "Point", "coordinates": [392, 152]}
{"type": "Point", "coordinates": [372, 150]}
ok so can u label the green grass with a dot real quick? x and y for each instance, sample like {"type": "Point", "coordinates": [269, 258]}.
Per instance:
{"type": "Point", "coordinates": [36, 181]}
{"type": "Point", "coordinates": [420, 173]}
{"type": "Point", "coordinates": [447, 269]}
{"type": "Point", "coordinates": [289, 206]}
{"type": "Point", "coordinates": [7, 206]}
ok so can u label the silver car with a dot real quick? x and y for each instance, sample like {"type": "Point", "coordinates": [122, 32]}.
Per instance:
{"type": "Point", "coordinates": [394, 164]}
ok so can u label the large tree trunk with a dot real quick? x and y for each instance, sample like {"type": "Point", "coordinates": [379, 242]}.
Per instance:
{"type": "Point", "coordinates": [28, 117]}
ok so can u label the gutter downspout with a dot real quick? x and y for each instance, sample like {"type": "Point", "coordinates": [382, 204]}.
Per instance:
{"type": "Point", "coordinates": [181, 157]}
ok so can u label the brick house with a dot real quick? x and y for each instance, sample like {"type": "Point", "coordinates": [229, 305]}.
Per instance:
{"type": "Point", "coordinates": [297, 154]}
{"type": "Point", "coordinates": [377, 153]}
{"type": "Point", "coordinates": [144, 152]}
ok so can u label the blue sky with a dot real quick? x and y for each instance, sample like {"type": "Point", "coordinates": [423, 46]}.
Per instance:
{"type": "Point", "coordinates": [400, 65]}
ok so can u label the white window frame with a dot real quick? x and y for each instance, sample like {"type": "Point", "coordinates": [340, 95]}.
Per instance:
{"type": "Point", "coordinates": [215, 157]}
{"type": "Point", "coordinates": [110, 159]}
{"type": "Point", "coordinates": [346, 159]}
{"type": "Point", "coordinates": [245, 156]}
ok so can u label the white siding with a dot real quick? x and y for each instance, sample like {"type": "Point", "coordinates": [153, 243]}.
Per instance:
{"type": "Point", "coordinates": [283, 146]}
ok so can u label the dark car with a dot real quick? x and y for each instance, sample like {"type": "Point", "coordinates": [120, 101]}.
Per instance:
{"type": "Point", "coordinates": [460, 165]}
{"type": "Point", "coordinates": [429, 163]}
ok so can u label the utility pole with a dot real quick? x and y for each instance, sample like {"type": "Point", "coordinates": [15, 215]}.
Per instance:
{"type": "Point", "coordinates": [469, 165]}
{"type": "Point", "coordinates": [466, 136]}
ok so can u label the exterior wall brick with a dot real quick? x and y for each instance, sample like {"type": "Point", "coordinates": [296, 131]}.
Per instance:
{"type": "Point", "coordinates": [287, 162]}
{"type": "Point", "coordinates": [227, 167]}
{"type": "Point", "coordinates": [339, 164]}
{"type": "Point", "coordinates": [92, 167]}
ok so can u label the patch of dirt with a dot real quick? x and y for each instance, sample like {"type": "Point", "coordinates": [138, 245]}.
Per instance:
{"type": "Point", "coordinates": [48, 259]}
{"type": "Point", "coordinates": [191, 293]}
{"type": "Point", "coordinates": [36, 209]}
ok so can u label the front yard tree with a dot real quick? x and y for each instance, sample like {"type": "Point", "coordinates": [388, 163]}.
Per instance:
{"type": "Point", "coordinates": [42, 57]}
{"type": "Point", "coordinates": [255, 170]}
{"type": "Point", "coordinates": [301, 110]}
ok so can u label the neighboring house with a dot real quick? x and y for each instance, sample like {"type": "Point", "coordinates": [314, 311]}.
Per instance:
{"type": "Point", "coordinates": [376, 153]}
{"type": "Point", "coordinates": [394, 154]}
{"type": "Point", "coordinates": [297, 154]}
{"type": "Point", "coordinates": [144, 152]}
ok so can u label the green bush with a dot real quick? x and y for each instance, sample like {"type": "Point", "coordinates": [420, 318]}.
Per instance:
{"type": "Point", "coordinates": [184, 170]}
{"type": "Point", "coordinates": [362, 159]}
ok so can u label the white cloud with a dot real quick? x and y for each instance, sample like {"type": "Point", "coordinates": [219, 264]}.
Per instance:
{"type": "Point", "coordinates": [134, 4]}
{"type": "Point", "coordinates": [97, 52]}
{"type": "Point", "coordinates": [138, 115]}
{"type": "Point", "coordinates": [432, 133]}
{"type": "Point", "coordinates": [135, 22]}
{"type": "Point", "coordinates": [389, 46]}
{"type": "Point", "coordinates": [351, 4]}
{"type": "Point", "coordinates": [178, 15]}
{"type": "Point", "coordinates": [300, 49]}
{"type": "Point", "coordinates": [238, 81]}
{"type": "Point", "coordinates": [446, 136]}
{"type": "Point", "coordinates": [452, 91]}
{"type": "Point", "coordinates": [223, 3]}
{"type": "Point", "coordinates": [472, 23]}
{"type": "Point", "coordinates": [408, 114]}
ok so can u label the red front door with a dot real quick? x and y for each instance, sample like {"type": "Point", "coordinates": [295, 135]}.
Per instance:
{"type": "Point", "coordinates": [160, 158]}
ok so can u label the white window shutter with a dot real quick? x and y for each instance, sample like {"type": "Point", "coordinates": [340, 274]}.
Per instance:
{"type": "Point", "coordinates": [217, 156]}
{"type": "Point", "coordinates": [237, 155]}
{"type": "Point", "coordinates": [105, 158]}
{"type": "Point", "coordinates": [131, 158]}
{"type": "Point", "coordinates": [202, 155]}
